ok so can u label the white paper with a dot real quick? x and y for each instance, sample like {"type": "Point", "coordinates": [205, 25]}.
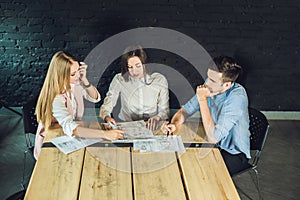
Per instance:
{"type": "Point", "coordinates": [134, 130]}
{"type": "Point", "coordinates": [159, 144]}
{"type": "Point", "coordinates": [140, 123]}
{"type": "Point", "coordinates": [68, 144]}
{"type": "Point", "coordinates": [137, 132]}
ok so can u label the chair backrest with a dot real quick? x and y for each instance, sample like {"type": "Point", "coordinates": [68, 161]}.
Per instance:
{"type": "Point", "coordinates": [258, 128]}
{"type": "Point", "coordinates": [29, 118]}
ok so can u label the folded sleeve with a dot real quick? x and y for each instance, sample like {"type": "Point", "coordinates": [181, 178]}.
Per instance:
{"type": "Point", "coordinates": [163, 99]}
{"type": "Point", "coordinates": [192, 105]}
{"type": "Point", "coordinates": [230, 115]}
{"type": "Point", "coordinates": [62, 115]}
{"type": "Point", "coordinates": [111, 97]}
{"type": "Point", "coordinates": [89, 98]}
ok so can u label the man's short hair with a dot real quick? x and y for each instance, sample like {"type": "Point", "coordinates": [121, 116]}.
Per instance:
{"type": "Point", "coordinates": [229, 68]}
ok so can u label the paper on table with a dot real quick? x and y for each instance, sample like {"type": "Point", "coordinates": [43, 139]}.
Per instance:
{"type": "Point", "coordinates": [159, 144]}
{"type": "Point", "coordinates": [123, 125]}
{"type": "Point", "coordinates": [68, 144]}
{"type": "Point", "coordinates": [140, 123]}
{"type": "Point", "coordinates": [134, 130]}
{"type": "Point", "coordinates": [137, 132]}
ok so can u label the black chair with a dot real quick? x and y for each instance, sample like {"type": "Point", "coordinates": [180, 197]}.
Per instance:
{"type": "Point", "coordinates": [2, 104]}
{"type": "Point", "coordinates": [30, 127]}
{"type": "Point", "coordinates": [258, 128]}
{"type": "Point", "coordinates": [17, 196]}
{"type": "Point", "coordinates": [29, 121]}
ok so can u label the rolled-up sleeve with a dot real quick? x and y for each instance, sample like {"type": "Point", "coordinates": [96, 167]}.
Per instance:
{"type": "Point", "coordinates": [111, 97]}
{"type": "Point", "coordinates": [192, 106]}
{"type": "Point", "coordinates": [232, 111]}
{"type": "Point", "coordinates": [62, 115]}
{"type": "Point", "coordinates": [163, 99]}
{"type": "Point", "coordinates": [89, 98]}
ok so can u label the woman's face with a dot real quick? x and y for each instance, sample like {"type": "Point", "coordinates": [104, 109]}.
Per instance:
{"type": "Point", "coordinates": [74, 74]}
{"type": "Point", "coordinates": [135, 67]}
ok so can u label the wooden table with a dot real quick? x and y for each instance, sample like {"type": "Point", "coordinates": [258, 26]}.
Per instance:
{"type": "Point", "coordinates": [120, 173]}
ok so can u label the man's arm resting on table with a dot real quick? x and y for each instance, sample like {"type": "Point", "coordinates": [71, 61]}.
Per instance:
{"type": "Point", "coordinates": [178, 119]}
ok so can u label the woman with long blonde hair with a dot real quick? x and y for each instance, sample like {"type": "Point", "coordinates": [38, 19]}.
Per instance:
{"type": "Point", "coordinates": [61, 101]}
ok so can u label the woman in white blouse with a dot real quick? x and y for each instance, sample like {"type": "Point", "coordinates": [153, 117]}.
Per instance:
{"type": "Point", "coordinates": [144, 96]}
{"type": "Point", "coordinates": [60, 102]}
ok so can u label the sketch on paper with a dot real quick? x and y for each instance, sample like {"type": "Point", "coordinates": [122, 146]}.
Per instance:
{"type": "Point", "coordinates": [68, 144]}
{"type": "Point", "coordinates": [159, 144]}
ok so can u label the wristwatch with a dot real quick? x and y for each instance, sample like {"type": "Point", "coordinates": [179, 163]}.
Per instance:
{"type": "Point", "coordinates": [86, 86]}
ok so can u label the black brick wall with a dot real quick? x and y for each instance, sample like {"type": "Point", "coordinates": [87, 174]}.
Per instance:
{"type": "Point", "coordinates": [262, 35]}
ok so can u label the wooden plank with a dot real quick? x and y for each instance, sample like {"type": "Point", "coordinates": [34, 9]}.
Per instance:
{"type": "Point", "coordinates": [55, 175]}
{"type": "Point", "coordinates": [206, 176]}
{"type": "Point", "coordinates": [191, 132]}
{"type": "Point", "coordinates": [106, 174]}
{"type": "Point", "coordinates": [156, 176]}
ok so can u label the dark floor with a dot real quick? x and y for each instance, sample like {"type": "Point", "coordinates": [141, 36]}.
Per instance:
{"type": "Point", "coordinates": [279, 167]}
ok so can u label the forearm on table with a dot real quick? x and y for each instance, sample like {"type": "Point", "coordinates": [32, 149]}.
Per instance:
{"type": "Point", "coordinates": [88, 132]}
{"type": "Point", "coordinates": [179, 117]}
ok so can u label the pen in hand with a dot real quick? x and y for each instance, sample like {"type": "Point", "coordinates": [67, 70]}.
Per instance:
{"type": "Point", "coordinates": [112, 125]}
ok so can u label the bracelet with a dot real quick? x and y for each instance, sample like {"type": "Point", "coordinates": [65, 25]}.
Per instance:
{"type": "Point", "coordinates": [86, 86]}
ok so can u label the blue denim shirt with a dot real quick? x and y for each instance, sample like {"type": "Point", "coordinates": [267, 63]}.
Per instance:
{"type": "Point", "coordinates": [229, 111]}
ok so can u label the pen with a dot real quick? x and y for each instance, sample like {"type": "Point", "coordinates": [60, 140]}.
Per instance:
{"type": "Point", "coordinates": [167, 133]}
{"type": "Point", "coordinates": [112, 125]}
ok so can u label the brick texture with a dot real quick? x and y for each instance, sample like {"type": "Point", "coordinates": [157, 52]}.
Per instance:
{"type": "Point", "coordinates": [262, 35]}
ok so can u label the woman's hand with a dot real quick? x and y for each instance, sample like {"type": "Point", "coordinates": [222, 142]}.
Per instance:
{"type": "Point", "coordinates": [152, 123]}
{"type": "Point", "coordinates": [109, 119]}
{"type": "Point", "coordinates": [82, 72]}
{"type": "Point", "coordinates": [114, 134]}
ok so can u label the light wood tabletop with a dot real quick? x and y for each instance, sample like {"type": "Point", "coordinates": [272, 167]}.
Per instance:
{"type": "Point", "coordinates": [120, 173]}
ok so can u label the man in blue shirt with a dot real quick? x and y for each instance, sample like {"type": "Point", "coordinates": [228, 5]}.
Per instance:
{"type": "Point", "coordinates": [223, 105]}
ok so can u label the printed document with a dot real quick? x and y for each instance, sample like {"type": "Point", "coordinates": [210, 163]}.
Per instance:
{"type": "Point", "coordinates": [69, 144]}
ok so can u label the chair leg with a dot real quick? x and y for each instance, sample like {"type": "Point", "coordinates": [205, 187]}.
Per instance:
{"type": "Point", "coordinates": [24, 168]}
{"type": "Point", "coordinates": [257, 184]}
{"type": "Point", "coordinates": [242, 191]}
{"type": "Point", "coordinates": [25, 157]}
{"type": "Point", "coordinates": [28, 141]}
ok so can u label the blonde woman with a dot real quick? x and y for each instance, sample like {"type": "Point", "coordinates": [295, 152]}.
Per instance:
{"type": "Point", "coordinates": [60, 102]}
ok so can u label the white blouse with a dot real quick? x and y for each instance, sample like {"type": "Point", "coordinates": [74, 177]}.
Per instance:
{"type": "Point", "coordinates": [61, 113]}
{"type": "Point", "coordinates": [139, 99]}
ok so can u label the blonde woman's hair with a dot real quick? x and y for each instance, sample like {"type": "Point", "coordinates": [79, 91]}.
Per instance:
{"type": "Point", "coordinates": [57, 82]}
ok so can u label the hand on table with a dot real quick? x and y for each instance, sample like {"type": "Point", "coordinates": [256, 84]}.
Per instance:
{"type": "Point", "coordinates": [152, 123]}
{"type": "Point", "coordinates": [114, 134]}
{"type": "Point", "coordinates": [111, 120]}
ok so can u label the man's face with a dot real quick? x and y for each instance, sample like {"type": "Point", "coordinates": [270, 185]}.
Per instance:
{"type": "Point", "coordinates": [214, 82]}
